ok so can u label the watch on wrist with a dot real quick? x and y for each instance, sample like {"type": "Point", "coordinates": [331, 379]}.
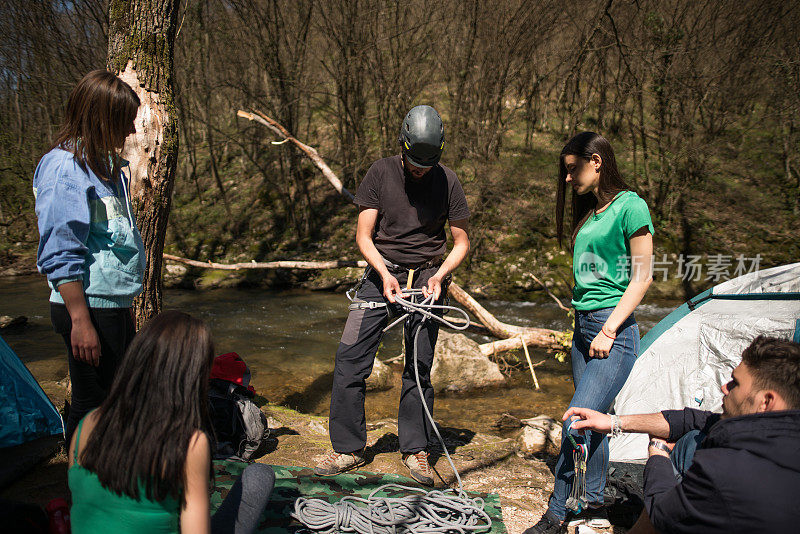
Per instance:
{"type": "Point", "coordinates": [658, 444]}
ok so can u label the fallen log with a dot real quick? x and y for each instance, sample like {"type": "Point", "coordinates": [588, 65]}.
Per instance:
{"type": "Point", "coordinates": [495, 326]}
{"type": "Point", "coordinates": [282, 264]}
{"type": "Point", "coordinates": [511, 336]}
{"type": "Point", "coordinates": [537, 337]}
{"type": "Point", "coordinates": [474, 327]}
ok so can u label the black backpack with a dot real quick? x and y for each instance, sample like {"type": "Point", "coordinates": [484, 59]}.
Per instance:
{"type": "Point", "coordinates": [240, 427]}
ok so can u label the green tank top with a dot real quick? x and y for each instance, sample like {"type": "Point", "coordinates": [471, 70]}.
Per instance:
{"type": "Point", "coordinates": [96, 509]}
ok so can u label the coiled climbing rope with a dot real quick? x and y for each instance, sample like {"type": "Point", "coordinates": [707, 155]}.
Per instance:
{"type": "Point", "coordinates": [432, 511]}
{"type": "Point", "coordinates": [436, 511]}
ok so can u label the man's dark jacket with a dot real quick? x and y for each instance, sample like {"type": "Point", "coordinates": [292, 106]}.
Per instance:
{"type": "Point", "coordinates": [745, 476]}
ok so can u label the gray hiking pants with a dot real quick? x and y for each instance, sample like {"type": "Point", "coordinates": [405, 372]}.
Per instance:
{"type": "Point", "coordinates": [355, 357]}
{"type": "Point", "coordinates": [241, 510]}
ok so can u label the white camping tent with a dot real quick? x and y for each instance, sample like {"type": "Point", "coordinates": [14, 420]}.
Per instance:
{"type": "Point", "coordinates": [689, 354]}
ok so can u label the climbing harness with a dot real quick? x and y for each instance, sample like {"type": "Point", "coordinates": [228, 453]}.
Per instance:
{"type": "Point", "coordinates": [436, 511]}
{"type": "Point", "coordinates": [358, 304]}
{"type": "Point", "coordinates": [353, 292]}
{"type": "Point", "coordinates": [577, 500]}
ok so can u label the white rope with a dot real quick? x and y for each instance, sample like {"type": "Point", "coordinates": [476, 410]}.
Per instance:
{"type": "Point", "coordinates": [424, 308]}
{"type": "Point", "coordinates": [425, 511]}
{"type": "Point", "coordinates": [432, 511]}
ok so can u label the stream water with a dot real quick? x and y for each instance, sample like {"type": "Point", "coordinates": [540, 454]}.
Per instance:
{"type": "Point", "coordinates": [288, 338]}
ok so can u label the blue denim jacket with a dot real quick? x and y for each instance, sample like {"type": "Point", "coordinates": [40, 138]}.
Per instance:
{"type": "Point", "coordinates": [87, 232]}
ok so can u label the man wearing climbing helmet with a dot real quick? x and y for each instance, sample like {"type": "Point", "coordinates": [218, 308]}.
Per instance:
{"type": "Point", "coordinates": [404, 203]}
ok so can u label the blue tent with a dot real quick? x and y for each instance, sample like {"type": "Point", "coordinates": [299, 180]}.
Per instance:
{"type": "Point", "coordinates": [26, 412]}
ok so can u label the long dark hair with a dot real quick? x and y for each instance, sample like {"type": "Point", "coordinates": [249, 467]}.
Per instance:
{"type": "Point", "coordinates": [100, 111]}
{"type": "Point", "coordinates": [583, 146]}
{"type": "Point", "coordinates": [157, 403]}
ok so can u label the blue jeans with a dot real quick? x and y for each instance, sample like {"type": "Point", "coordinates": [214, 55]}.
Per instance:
{"type": "Point", "coordinates": [682, 454]}
{"type": "Point", "coordinates": [597, 382]}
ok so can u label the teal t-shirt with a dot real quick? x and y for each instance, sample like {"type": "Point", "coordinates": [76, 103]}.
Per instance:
{"type": "Point", "coordinates": [96, 509]}
{"type": "Point", "coordinates": [601, 256]}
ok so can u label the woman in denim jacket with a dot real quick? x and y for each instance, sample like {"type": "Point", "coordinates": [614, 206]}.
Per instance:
{"type": "Point", "coordinates": [612, 244]}
{"type": "Point", "coordinates": [89, 247]}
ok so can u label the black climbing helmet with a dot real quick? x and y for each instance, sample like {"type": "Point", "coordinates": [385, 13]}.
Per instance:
{"type": "Point", "coordinates": [422, 136]}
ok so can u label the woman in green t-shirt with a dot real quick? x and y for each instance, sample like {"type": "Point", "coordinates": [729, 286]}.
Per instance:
{"type": "Point", "coordinates": [612, 244]}
{"type": "Point", "coordinates": [141, 462]}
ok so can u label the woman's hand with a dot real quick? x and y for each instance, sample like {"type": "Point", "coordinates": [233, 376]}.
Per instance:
{"type": "Point", "coordinates": [84, 339]}
{"type": "Point", "coordinates": [85, 342]}
{"type": "Point", "coordinates": [601, 346]}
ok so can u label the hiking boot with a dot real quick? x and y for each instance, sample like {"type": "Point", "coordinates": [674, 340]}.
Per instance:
{"type": "Point", "coordinates": [334, 463]}
{"type": "Point", "coordinates": [548, 524]}
{"type": "Point", "coordinates": [593, 517]}
{"type": "Point", "coordinates": [419, 467]}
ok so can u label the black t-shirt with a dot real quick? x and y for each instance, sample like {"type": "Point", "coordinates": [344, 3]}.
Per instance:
{"type": "Point", "coordinates": [411, 213]}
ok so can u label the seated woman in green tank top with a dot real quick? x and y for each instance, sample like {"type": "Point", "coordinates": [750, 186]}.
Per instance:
{"type": "Point", "coordinates": [141, 462]}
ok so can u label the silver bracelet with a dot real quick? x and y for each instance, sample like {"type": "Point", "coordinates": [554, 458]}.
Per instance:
{"type": "Point", "coordinates": [616, 425]}
{"type": "Point", "coordinates": [660, 445]}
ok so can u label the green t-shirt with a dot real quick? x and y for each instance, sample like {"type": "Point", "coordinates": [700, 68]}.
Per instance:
{"type": "Point", "coordinates": [601, 256]}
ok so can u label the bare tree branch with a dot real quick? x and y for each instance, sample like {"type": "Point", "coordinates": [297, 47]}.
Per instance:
{"type": "Point", "coordinates": [311, 152]}
{"type": "Point", "coordinates": [283, 264]}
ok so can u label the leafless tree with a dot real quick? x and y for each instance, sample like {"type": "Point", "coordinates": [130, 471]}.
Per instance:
{"type": "Point", "coordinates": [141, 51]}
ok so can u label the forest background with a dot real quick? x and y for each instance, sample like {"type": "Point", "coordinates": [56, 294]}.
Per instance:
{"type": "Point", "coordinates": [700, 99]}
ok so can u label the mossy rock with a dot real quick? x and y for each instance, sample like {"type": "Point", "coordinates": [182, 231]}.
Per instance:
{"type": "Point", "coordinates": [334, 279]}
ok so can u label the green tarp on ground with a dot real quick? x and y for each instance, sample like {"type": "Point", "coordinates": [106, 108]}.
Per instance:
{"type": "Point", "coordinates": [294, 482]}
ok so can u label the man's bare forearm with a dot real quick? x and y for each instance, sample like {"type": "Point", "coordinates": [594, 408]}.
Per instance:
{"type": "Point", "coordinates": [371, 254]}
{"type": "Point", "coordinates": [454, 259]}
{"type": "Point", "coordinates": [652, 423]}
{"type": "Point", "coordinates": [460, 232]}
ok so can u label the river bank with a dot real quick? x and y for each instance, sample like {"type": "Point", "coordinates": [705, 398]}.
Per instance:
{"type": "Point", "coordinates": [487, 463]}
{"type": "Point", "coordinates": [288, 338]}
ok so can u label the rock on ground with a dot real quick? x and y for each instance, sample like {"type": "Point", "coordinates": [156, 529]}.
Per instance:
{"type": "Point", "coordinates": [9, 322]}
{"type": "Point", "coordinates": [540, 434]}
{"type": "Point", "coordinates": [381, 377]}
{"type": "Point", "coordinates": [458, 365]}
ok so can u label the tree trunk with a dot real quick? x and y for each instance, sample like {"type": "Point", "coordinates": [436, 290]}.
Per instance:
{"type": "Point", "coordinates": [140, 50]}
